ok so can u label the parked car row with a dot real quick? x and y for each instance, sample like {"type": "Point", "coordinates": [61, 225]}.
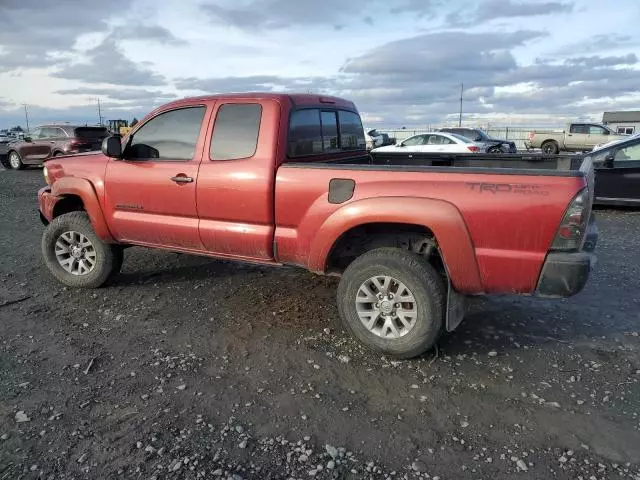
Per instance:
{"type": "Point", "coordinates": [48, 141]}
{"type": "Point", "coordinates": [452, 140]}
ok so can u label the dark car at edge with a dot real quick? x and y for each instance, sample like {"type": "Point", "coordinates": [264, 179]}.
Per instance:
{"type": "Point", "coordinates": [617, 168]}
{"type": "Point", "coordinates": [48, 141]}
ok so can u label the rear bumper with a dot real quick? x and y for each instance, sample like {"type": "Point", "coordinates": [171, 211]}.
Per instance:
{"type": "Point", "coordinates": [565, 274]}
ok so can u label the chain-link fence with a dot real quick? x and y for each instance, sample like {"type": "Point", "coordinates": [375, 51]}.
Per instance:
{"type": "Point", "coordinates": [515, 134]}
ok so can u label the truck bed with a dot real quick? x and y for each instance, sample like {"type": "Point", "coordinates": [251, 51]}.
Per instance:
{"type": "Point", "coordinates": [510, 207]}
{"type": "Point", "coordinates": [512, 164]}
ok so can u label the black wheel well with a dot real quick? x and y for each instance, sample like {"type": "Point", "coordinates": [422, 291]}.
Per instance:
{"type": "Point", "coordinates": [68, 203]}
{"type": "Point", "coordinates": [363, 238]}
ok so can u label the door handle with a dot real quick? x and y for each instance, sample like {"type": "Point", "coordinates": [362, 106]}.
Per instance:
{"type": "Point", "coordinates": [182, 179]}
{"type": "Point", "coordinates": [52, 141]}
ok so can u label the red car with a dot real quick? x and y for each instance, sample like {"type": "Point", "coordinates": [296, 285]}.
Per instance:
{"type": "Point", "coordinates": [49, 141]}
{"type": "Point", "coordinates": [281, 179]}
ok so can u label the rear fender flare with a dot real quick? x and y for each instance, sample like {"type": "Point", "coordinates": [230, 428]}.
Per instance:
{"type": "Point", "coordinates": [85, 190]}
{"type": "Point", "coordinates": [442, 218]}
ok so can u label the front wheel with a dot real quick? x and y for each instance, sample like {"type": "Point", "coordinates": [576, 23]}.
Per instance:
{"type": "Point", "coordinates": [75, 255]}
{"type": "Point", "coordinates": [495, 150]}
{"type": "Point", "coordinates": [393, 301]}
{"type": "Point", "coordinates": [15, 161]}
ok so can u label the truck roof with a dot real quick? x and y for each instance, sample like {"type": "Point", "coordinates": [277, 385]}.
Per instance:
{"type": "Point", "coordinates": [295, 98]}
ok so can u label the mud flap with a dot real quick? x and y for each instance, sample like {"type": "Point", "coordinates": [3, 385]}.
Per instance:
{"type": "Point", "coordinates": [455, 308]}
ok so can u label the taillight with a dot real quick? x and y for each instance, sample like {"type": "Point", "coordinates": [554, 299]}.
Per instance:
{"type": "Point", "coordinates": [474, 149]}
{"type": "Point", "coordinates": [531, 135]}
{"type": "Point", "coordinates": [573, 226]}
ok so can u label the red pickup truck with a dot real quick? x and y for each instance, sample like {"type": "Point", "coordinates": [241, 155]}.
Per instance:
{"type": "Point", "coordinates": [286, 180]}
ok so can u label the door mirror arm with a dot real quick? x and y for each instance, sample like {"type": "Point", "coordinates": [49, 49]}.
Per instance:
{"type": "Point", "coordinates": [608, 160]}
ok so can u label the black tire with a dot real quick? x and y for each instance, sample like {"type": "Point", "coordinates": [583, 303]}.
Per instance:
{"type": "Point", "coordinates": [495, 150]}
{"type": "Point", "coordinates": [109, 258]}
{"type": "Point", "coordinates": [14, 160]}
{"type": "Point", "coordinates": [58, 154]}
{"type": "Point", "coordinates": [419, 277]}
{"type": "Point", "coordinates": [550, 147]}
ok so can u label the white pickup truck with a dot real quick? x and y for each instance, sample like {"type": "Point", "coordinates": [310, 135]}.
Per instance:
{"type": "Point", "coordinates": [576, 137]}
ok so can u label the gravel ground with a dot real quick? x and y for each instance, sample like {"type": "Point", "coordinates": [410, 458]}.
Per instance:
{"type": "Point", "coordinates": [192, 368]}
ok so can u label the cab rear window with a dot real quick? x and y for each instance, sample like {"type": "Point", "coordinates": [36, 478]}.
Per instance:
{"type": "Point", "coordinates": [91, 132]}
{"type": "Point", "coordinates": [315, 131]}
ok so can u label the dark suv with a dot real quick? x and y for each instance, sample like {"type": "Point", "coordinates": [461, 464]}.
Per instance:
{"type": "Point", "coordinates": [49, 141]}
{"type": "Point", "coordinates": [494, 145]}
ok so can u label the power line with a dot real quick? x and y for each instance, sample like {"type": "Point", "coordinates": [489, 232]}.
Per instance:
{"type": "Point", "coordinates": [26, 115]}
{"type": "Point", "coordinates": [99, 113]}
{"type": "Point", "coordinates": [461, 93]}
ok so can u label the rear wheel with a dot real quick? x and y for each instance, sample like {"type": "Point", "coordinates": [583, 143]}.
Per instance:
{"type": "Point", "coordinates": [15, 161]}
{"type": "Point", "coordinates": [75, 255]}
{"type": "Point", "coordinates": [550, 147]}
{"type": "Point", "coordinates": [392, 301]}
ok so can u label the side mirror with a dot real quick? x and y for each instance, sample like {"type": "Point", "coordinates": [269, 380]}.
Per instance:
{"type": "Point", "coordinates": [111, 146]}
{"type": "Point", "coordinates": [477, 139]}
{"type": "Point", "coordinates": [607, 132]}
{"type": "Point", "coordinates": [608, 160]}
{"type": "Point", "coordinates": [27, 139]}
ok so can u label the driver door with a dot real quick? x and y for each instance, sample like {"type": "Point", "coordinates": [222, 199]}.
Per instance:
{"type": "Point", "coordinates": [150, 194]}
{"type": "Point", "coordinates": [597, 135]}
{"type": "Point", "coordinates": [35, 149]}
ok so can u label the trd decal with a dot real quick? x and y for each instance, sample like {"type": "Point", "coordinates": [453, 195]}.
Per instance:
{"type": "Point", "coordinates": [127, 206]}
{"type": "Point", "coordinates": [516, 188]}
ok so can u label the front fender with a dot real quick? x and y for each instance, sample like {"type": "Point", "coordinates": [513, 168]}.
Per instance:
{"type": "Point", "coordinates": [442, 218]}
{"type": "Point", "coordinates": [85, 190]}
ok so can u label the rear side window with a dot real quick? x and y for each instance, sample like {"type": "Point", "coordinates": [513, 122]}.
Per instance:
{"type": "Point", "coordinates": [351, 131]}
{"type": "Point", "coordinates": [577, 128]}
{"type": "Point", "coordinates": [305, 133]}
{"type": "Point", "coordinates": [235, 133]}
{"type": "Point", "coordinates": [171, 136]}
{"type": "Point", "coordinates": [90, 132]}
{"type": "Point", "coordinates": [313, 131]}
{"type": "Point", "coordinates": [329, 121]}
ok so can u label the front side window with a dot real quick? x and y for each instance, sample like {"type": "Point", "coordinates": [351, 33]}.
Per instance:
{"type": "Point", "coordinates": [235, 133]}
{"type": "Point", "coordinates": [596, 130]}
{"type": "Point", "coordinates": [35, 133]}
{"type": "Point", "coordinates": [170, 136]}
{"type": "Point", "coordinates": [628, 153]}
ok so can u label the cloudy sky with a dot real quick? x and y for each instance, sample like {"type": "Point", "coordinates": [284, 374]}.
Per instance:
{"type": "Point", "coordinates": [531, 62]}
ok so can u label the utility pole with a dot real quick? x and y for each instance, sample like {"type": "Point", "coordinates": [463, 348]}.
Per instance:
{"type": "Point", "coordinates": [99, 113]}
{"type": "Point", "coordinates": [26, 115]}
{"type": "Point", "coordinates": [461, 93]}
